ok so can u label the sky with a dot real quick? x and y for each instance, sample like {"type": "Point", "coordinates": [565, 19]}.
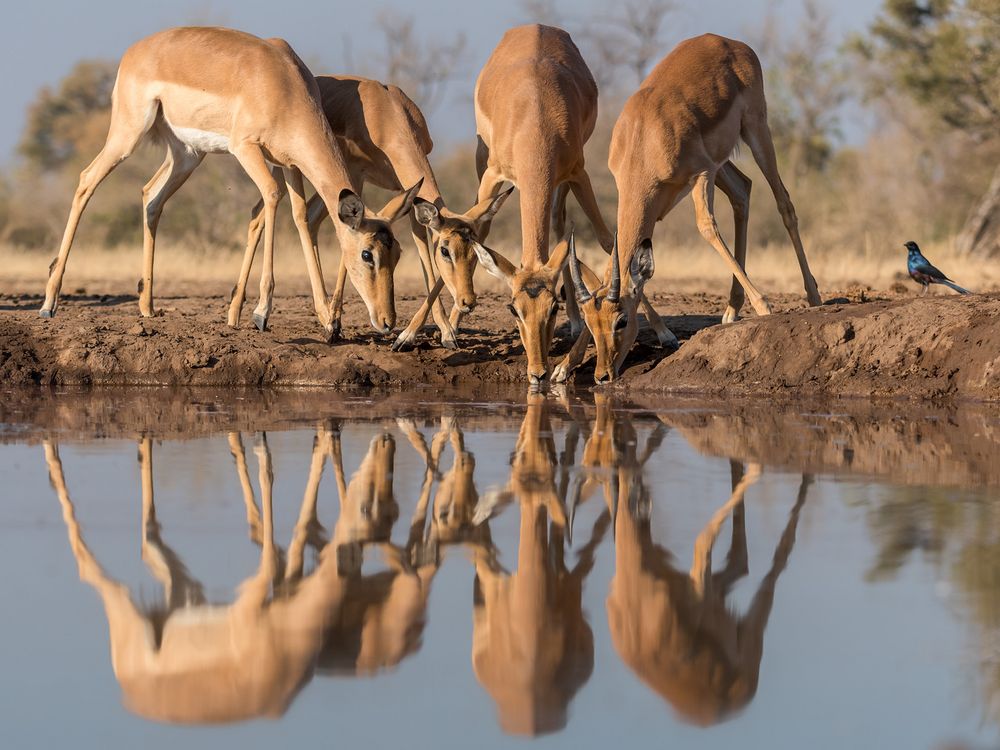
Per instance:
{"type": "Point", "coordinates": [43, 40]}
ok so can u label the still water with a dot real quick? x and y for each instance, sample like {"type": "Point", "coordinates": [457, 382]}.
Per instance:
{"type": "Point", "coordinates": [247, 570]}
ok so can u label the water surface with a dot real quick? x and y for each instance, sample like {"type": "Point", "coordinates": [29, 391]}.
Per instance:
{"type": "Point", "coordinates": [246, 569]}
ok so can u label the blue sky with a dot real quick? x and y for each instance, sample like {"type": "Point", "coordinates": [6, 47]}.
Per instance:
{"type": "Point", "coordinates": [42, 40]}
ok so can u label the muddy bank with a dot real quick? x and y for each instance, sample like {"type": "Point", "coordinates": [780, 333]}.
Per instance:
{"type": "Point", "coordinates": [930, 444]}
{"type": "Point", "coordinates": [935, 347]}
{"type": "Point", "coordinates": [926, 444]}
{"type": "Point", "coordinates": [894, 346]}
{"type": "Point", "coordinates": [101, 340]}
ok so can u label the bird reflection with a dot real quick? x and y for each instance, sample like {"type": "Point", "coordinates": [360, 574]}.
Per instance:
{"type": "Point", "coordinates": [672, 627]}
{"type": "Point", "coordinates": [532, 648]}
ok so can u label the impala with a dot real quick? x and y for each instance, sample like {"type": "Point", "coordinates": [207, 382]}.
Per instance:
{"type": "Point", "coordinates": [674, 628]}
{"type": "Point", "coordinates": [532, 648]}
{"type": "Point", "coordinates": [190, 661]}
{"type": "Point", "coordinates": [536, 105]}
{"type": "Point", "coordinates": [384, 140]}
{"type": "Point", "coordinates": [215, 90]}
{"type": "Point", "coordinates": [675, 136]}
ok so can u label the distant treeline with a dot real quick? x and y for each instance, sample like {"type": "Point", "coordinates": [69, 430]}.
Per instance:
{"type": "Point", "coordinates": [923, 82]}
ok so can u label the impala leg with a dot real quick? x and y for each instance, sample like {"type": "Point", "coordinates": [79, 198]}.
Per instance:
{"type": "Point", "coordinates": [490, 184]}
{"type": "Point", "coordinates": [757, 135]}
{"type": "Point", "coordinates": [736, 186]}
{"type": "Point", "coordinates": [573, 358]}
{"type": "Point", "coordinates": [753, 624]}
{"type": "Point", "coordinates": [252, 160]}
{"type": "Point", "coordinates": [119, 146]}
{"type": "Point", "coordinates": [300, 215]}
{"type": "Point", "coordinates": [408, 336]}
{"type": "Point", "coordinates": [254, 230]}
{"type": "Point", "coordinates": [255, 591]}
{"type": "Point", "coordinates": [701, 564]}
{"type": "Point", "coordinates": [128, 628]}
{"type": "Point", "coordinates": [703, 194]}
{"type": "Point", "coordinates": [179, 588]}
{"type": "Point", "coordinates": [307, 519]}
{"type": "Point", "coordinates": [173, 173]}
{"type": "Point", "coordinates": [253, 512]}
{"type": "Point", "coordinates": [441, 320]}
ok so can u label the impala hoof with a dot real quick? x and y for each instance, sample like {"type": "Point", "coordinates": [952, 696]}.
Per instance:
{"type": "Point", "coordinates": [668, 340]}
{"type": "Point", "coordinates": [730, 316]}
{"type": "Point", "coordinates": [449, 343]}
{"type": "Point", "coordinates": [403, 341]}
{"type": "Point", "coordinates": [260, 321]}
{"type": "Point", "coordinates": [46, 314]}
{"type": "Point", "coordinates": [560, 374]}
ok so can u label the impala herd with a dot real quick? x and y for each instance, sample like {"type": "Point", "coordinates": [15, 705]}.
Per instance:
{"type": "Point", "coordinates": [358, 604]}
{"type": "Point", "coordinates": [214, 90]}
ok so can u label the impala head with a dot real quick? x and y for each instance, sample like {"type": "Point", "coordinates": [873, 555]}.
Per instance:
{"type": "Point", "coordinates": [371, 251]}
{"type": "Point", "coordinates": [454, 239]}
{"type": "Point", "coordinates": [369, 510]}
{"type": "Point", "coordinates": [610, 311]}
{"type": "Point", "coordinates": [533, 302]}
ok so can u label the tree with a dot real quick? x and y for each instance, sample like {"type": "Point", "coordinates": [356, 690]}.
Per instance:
{"type": "Point", "coordinates": [806, 87]}
{"type": "Point", "coordinates": [58, 119]}
{"type": "Point", "coordinates": [420, 67]}
{"type": "Point", "coordinates": [945, 55]}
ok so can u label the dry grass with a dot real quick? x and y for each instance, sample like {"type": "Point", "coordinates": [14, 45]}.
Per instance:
{"type": "Point", "coordinates": [100, 270]}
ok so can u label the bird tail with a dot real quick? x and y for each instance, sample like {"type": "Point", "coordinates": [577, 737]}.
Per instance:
{"type": "Point", "coordinates": [955, 286]}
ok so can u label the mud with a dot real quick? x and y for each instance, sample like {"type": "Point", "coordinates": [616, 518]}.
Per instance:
{"type": "Point", "coordinates": [953, 444]}
{"type": "Point", "coordinates": [938, 347]}
{"type": "Point", "coordinates": [862, 344]}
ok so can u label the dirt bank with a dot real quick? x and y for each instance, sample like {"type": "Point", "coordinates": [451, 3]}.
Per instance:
{"type": "Point", "coordinates": [922, 348]}
{"type": "Point", "coordinates": [895, 345]}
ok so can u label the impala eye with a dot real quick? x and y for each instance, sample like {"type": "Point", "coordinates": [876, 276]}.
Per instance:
{"type": "Point", "coordinates": [513, 311]}
{"type": "Point", "coordinates": [621, 322]}
{"type": "Point", "coordinates": [554, 309]}
{"type": "Point", "coordinates": [444, 252]}
{"type": "Point", "coordinates": [367, 257]}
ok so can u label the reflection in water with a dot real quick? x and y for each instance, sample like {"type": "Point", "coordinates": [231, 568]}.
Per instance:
{"type": "Point", "coordinates": [532, 649]}
{"type": "Point", "coordinates": [193, 662]}
{"type": "Point", "coordinates": [673, 627]}
{"type": "Point", "coordinates": [361, 608]}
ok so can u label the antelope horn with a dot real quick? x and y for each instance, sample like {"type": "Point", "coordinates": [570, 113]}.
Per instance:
{"type": "Point", "coordinates": [616, 278]}
{"type": "Point", "coordinates": [582, 293]}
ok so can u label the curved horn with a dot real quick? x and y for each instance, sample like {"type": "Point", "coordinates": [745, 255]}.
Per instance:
{"type": "Point", "coordinates": [582, 293]}
{"type": "Point", "coordinates": [616, 278]}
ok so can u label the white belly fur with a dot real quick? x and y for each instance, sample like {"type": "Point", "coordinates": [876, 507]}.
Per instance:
{"type": "Point", "coordinates": [203, 141]}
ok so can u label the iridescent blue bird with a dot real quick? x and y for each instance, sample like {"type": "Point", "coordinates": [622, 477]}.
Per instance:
{"type": "Point", "coordinates": [925, 274]}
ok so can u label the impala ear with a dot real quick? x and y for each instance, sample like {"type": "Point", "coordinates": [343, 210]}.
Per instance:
{"type": "Point", "coordinates": [427, 214]}
{"type": "Point", "coordinates": [350, 210]}
{"type": "Point", "coordinates": [641, 268]}
{"type": "Point", "coordinates": [494, 263]}
{"type": "Point", "coordinates": [560, 254]}
{"type": "Point", "coordinates": [486, 209]}
{"type": "Point", "coordinates": [400, 205]}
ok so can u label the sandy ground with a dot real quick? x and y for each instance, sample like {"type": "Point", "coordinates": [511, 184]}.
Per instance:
{"type": "Point", "coordinates": [861, 343]}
